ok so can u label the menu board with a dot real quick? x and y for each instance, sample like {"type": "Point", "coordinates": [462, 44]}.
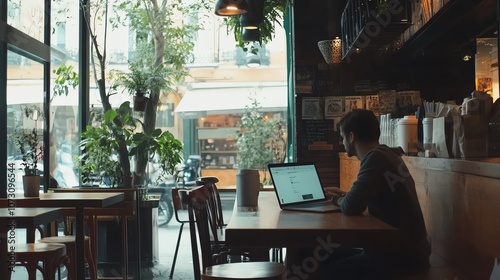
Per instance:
{"type": "Point", "coordinates": [318, 130]}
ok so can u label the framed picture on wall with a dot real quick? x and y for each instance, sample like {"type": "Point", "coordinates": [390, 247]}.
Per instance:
{"type": "Point", "coordinates": [334, 106]}
{"type": "Point", "coordinates": [353, 102]}
{"type": "Point", "coordinates": [372, 103]}
{"type": "Point", "coordinates": [311, 108]}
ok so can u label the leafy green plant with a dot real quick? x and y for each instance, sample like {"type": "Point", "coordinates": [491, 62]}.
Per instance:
{"type": "Point", "coordinates": [273, 15]}
{"type": "Point", "coordinates": [256, 137]}
{"type": "Point", "coordinates": [65, 77]}
{"type": "Point", "coordinates": [27, 141]}
{"type": "Point", "coordinates": [99, 145]}
{"type": "Point", "coordinates": [167, 46]}
{"type": "Point", "coordinates": [142, 79]}
{"type": "Point", "coordinates": [160, 144]}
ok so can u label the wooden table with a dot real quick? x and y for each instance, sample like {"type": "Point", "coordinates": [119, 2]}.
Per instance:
{"type": "Point", "coordinates": [20, 217]}
{"type": "Point", "coordinates": [269, 226]}
{"type": "Point", "coordinates": [79, 201]}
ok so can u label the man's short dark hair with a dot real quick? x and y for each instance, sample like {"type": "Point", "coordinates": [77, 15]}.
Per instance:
{"type": "Point", "coordinates": [363, 123]}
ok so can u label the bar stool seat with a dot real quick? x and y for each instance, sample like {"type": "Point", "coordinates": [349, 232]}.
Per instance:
{"type": "Point", "coordinates": [70, 242]}
{"type": "Point", "coordinates": [52, 255]}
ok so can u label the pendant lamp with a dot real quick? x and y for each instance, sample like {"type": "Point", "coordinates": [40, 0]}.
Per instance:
{"type": "Point", "coordinates": [331, 50]}
{"type": "Point", "coordinates": [250, 35]}
{"type": "Point", "coordinates": [231, 7]}
{"type": "Point", "coordinates": [255, 15]}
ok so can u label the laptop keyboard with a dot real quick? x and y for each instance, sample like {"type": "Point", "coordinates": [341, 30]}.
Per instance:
{"type": "Point", "coordinates": [313, 204]}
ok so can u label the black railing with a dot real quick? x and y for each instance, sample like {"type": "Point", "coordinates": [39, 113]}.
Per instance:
{"type": "Point", "coordinates": [373, 24]}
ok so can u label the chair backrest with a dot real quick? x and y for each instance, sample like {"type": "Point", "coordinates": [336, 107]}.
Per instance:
{"type": "Point", "coordinates": [197, 200]}
{"type": "Point", "coordinates": [215, 203]}
{"type": "Point", "coordinates": [179, 205]}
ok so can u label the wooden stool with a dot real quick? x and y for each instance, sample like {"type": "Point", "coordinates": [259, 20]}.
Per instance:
{"type": "Point", "coordinates": [70, 242]}
{"type": "Point", "coordinates": [52, 256]}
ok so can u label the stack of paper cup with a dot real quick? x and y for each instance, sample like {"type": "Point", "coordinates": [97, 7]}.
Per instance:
{"type": "Point", "coordinates": [427, 133]}
{"type": "Point", "coordinates": [407, 134]}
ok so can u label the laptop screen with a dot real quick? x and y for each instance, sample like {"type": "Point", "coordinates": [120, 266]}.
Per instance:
{"type": "Point", "coordinates": [296, 182]}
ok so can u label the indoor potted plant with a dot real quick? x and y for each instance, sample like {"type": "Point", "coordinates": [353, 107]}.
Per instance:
{"type": "Point", "coordinates": [259, 137]}
{"type": "Point", "coordinates": [141, 80]}
{"type": "Point", "coordinates": [100, 144]}
{"type": "Point", "coordinates": [257, 140]}
{"type": "Point", "coordinates": [27, 142]}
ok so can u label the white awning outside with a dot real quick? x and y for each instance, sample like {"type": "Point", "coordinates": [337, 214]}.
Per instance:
{"type": "Point", "coordinates": [21, 92]}
{"type": "Point", "coordinates": [231, 98]}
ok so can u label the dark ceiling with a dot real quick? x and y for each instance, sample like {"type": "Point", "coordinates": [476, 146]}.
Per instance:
{"type": "Point", "coordinates": [454, 28]}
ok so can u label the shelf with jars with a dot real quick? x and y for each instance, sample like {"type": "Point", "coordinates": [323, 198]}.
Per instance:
{"type": "Point", "coordinates": [218, 153]}
{"type": "Point", "coordinates": [217, 145]}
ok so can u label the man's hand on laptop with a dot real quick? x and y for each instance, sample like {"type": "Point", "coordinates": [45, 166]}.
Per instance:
{"type": "Point", "coordinates": [331, 192]}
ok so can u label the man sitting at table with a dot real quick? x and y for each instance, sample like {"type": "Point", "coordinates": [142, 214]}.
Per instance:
{"type": "Point", "coordinates": [384, 186]}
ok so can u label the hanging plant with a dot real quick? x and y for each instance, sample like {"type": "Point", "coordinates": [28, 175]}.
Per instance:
{"type": "Point", "coordinates": [273, 16]}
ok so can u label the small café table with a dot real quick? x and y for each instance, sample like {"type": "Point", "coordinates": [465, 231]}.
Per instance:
{"type": "Point", "coordinates": [267, 226]}
{"type": "Point", "coordinates": [21, 217]}
{"type": "Point", "coordinates": [80, 201]}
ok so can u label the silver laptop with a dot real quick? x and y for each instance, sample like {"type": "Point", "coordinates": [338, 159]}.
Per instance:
{"type": "Point", "coordinates": [298, 187]}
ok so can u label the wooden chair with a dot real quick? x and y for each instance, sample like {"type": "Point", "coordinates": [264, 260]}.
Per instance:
{"type": "Point", "coordinates": [217, 226]}
{"type": "Point", "coordinates": [178, 207]}
{"type": "Point", "coordinates": [197, 200]}
{"type": "Point", "coordinates": [30, 254]}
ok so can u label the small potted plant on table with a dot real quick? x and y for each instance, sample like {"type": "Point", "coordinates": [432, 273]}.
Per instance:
{"type": "Point", "coordinates": [258, 139]}
{"type": "Point", "coordinates": [27, 142]}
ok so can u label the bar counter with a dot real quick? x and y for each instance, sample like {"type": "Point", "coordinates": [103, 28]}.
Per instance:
{"type": "Point", "coordinates": [485, 167]}
{"type": "Point", "coordinates": [460, 201]}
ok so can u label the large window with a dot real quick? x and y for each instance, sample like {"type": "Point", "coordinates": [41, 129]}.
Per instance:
{"type": "Point", "coordinates": [24, 107]}
{"type": "Point", "coordinates": [27, 16]}
{"type": "Point", "coordinates": [36, 49]}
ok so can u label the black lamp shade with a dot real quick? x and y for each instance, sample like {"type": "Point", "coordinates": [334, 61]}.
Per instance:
{"type": "Point", "coordinates": [250, 35]}
{"type": "Point", "coordinates": [231, 7]}
{"type": "Point", "coordinates": [255, 15]}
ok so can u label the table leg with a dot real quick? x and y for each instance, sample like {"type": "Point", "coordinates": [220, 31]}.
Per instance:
{"type": "Point", "coordinates": [80, 244]}
{"type": "Point", "coordinates": [30, 234]}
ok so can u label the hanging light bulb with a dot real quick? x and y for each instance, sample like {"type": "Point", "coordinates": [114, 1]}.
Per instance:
{"type": "Point", "coordinates": [231, 7]}
{"type": "Point", "coordinates": [337, 50]}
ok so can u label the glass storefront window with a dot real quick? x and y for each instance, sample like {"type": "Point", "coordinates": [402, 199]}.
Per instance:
{"type": "Point", "coordinates": [27, 16]}
{"type": "Point", "coordinates": [64, 109]}
{"type": "Point", "coordinates": [24, 108]}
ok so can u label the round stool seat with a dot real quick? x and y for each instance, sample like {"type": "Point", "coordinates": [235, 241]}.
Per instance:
{"type": "Point", "coordinates": [56, 248]}
{"type": "Point", "coordinates": [51, 254]}
{"type": "Point", "coordinates": [60, 239]}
